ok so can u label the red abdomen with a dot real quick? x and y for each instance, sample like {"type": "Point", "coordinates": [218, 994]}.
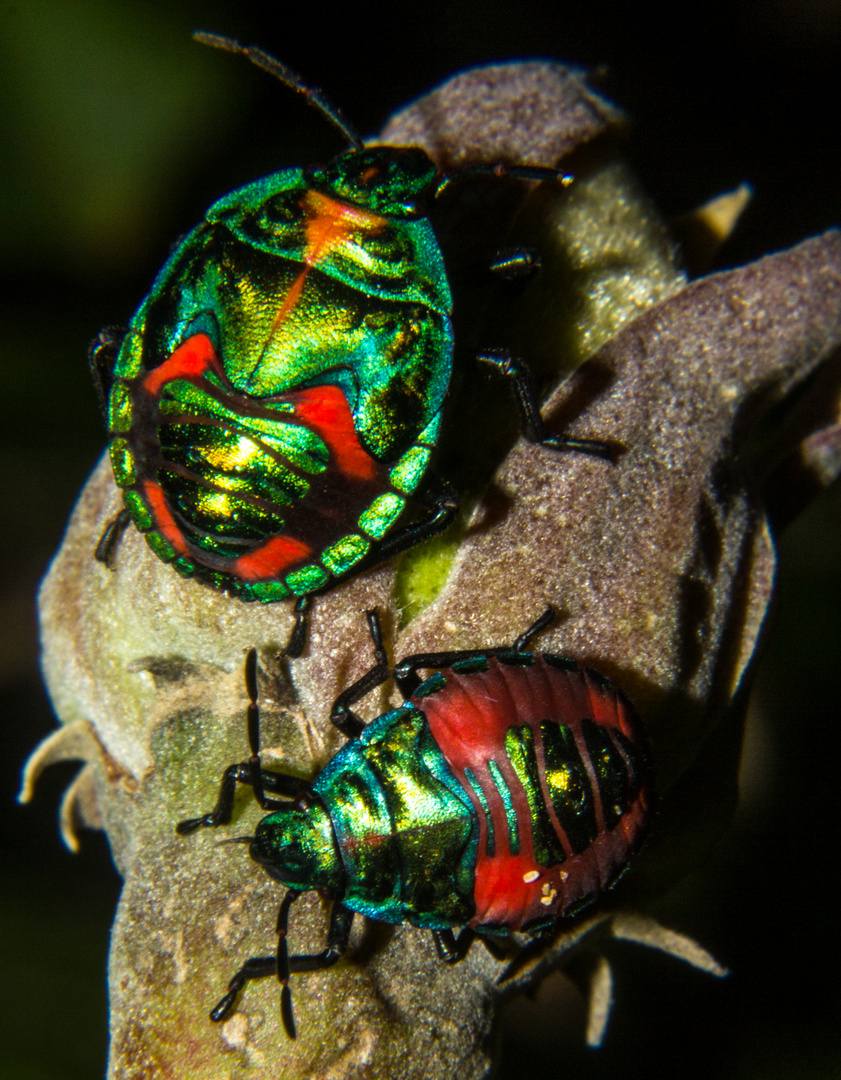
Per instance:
{"type": "Point", "coordinates": [552, 758]}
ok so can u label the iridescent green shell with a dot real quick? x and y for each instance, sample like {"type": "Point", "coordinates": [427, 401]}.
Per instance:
{"type": "Point", "coordinates": [278, 394]}
{"type": "Point", "coordinates": [511, 788]}
{"type": "Point", "coordinates": [405, 832]}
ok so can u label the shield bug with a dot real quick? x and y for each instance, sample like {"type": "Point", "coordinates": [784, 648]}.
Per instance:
{"type": "Point", "coordinates": [275, 400]}
{"type": "Point", "coordinates": [509, 789]}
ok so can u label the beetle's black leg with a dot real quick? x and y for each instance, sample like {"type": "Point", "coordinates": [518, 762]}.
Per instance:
{"type": "Point", "coordinates": [282, 965]}
{"type": "Point", "coordinates": [451, 949]}
{"type": "Point", "coordinates": [520, 172]}
{"type": "Point", "coordinates": [406, 671]}
{"type": "Point", "coordinates": [341, 920]}
{"type": "Point", "coordinates": [107, 547]}
{"type": "Point", "coordinates": [248, 772]}
{"type": "Point", "coordinates": [261, 779]}
{"type": "Point", "coordinates": [221, 813]}
{"type": "Point", "coordinates": [341, 714]}
{"type": "Point", "coordinates": [290, 787]}
{"type": "Point", "coordinates": [298, 638]}
{"type": "Point", "coordinates": [515, 264]}
{"type": "Point", "coordinates": [441, 503]}
{"type": "Point", "coordinates": [256, 967]}
{"type": "Point", "coordinates": [539, 624]}
{"type": "Point", "coordinates": [102, 356]}
{"type": "Point", "coordinates": [531, 422]}
{"type": "Point", "coordinates": [253, 725]}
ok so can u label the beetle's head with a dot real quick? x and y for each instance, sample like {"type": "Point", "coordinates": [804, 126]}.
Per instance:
{"type": "Point", "coordinates": [296, 846]}
{"type": "Point", "coordinates": [396, 181]}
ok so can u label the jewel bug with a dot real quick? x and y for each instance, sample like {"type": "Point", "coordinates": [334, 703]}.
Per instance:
{"type": "Point", "coordinates": [510, 788]}
{"type": "Point", "coordinates": [275, 400]}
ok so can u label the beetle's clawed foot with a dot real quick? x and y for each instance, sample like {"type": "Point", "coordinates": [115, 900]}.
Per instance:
{"type": "Point", "coordinates": [221, 1010]}
{"type": "Point", "coordinates": [184, 828]}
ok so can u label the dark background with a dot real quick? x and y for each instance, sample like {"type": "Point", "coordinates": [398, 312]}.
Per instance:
{"type": "Point", "coordinates": [115, 133]}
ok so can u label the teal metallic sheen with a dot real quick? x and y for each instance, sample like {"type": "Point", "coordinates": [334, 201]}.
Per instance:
{"type": "Point", "coordinates": [279, 391]}
{"type": "Point", "coordinates": [215, 282]}
{"type": "Point", "coordinates": [398, 816]}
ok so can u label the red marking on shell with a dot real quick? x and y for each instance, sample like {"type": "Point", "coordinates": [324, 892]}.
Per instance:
{"type": "Point", "coordinates": [352, 844]}
{"type": "Point", "coordinates": [331, 223]}
{"type": "Point", "coordinates": [501, 890]}
{"type": "Point", "coordinates": [272, 560]}
{"type": "Point", "coordinates": [164, 521]}
{"type": "Point", "coordinates": [191, 360]}
{"type": "Point", "coordinates": [469, 719]}
{"type": "Point", "coordinates": [325, 410]}
{"type": "Point", "coordinates": [289, 301]}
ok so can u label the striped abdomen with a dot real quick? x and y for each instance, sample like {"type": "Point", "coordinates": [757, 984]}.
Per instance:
{"type": "Point", "coordinates": [278, 396]}
{"type": "Point", "coordinates": [551, 756]}
{"type": "Point", "coordinates": [276, 495]}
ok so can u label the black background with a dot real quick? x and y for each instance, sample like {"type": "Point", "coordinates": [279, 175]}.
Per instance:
{"type": "Point", "coordinates": [116, 132]}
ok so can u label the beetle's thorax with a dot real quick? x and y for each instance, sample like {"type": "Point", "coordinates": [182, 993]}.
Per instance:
{"type": "Point", "coordinates": [393, 180]}
{"type": "Point", "coordinates": [297, 846]}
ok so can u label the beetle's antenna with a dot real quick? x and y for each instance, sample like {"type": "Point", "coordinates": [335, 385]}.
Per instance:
{"type": "Point", "coordinates": [311, 94]}
{"type": "Point", "coordinates": [235, 840]}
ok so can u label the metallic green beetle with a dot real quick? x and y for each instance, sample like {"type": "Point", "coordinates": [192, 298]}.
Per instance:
{"type": "Point", "coordinates": [509, 790]}
{"type": "Point", "coordinates": [275, 401]}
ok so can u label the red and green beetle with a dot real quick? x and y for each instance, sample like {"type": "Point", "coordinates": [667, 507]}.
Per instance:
{"type": "Point", "coordinates": [509, 790]}
{"type": "Point", "coordinates": [275, 400]}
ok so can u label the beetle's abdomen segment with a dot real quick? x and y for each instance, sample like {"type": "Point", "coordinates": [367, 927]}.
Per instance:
{"type": "Point", "coordinates": [273, 496]}
{"type": "Point", "coordinates": [405, 830]}
{"type": "Point", "coordinates": [551, 756]}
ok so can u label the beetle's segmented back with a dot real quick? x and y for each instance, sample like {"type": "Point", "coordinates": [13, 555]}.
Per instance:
{"type": "Point", "coordinates": [552, 758]}
{"type": "Point", "coordinates": [278, 395]}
